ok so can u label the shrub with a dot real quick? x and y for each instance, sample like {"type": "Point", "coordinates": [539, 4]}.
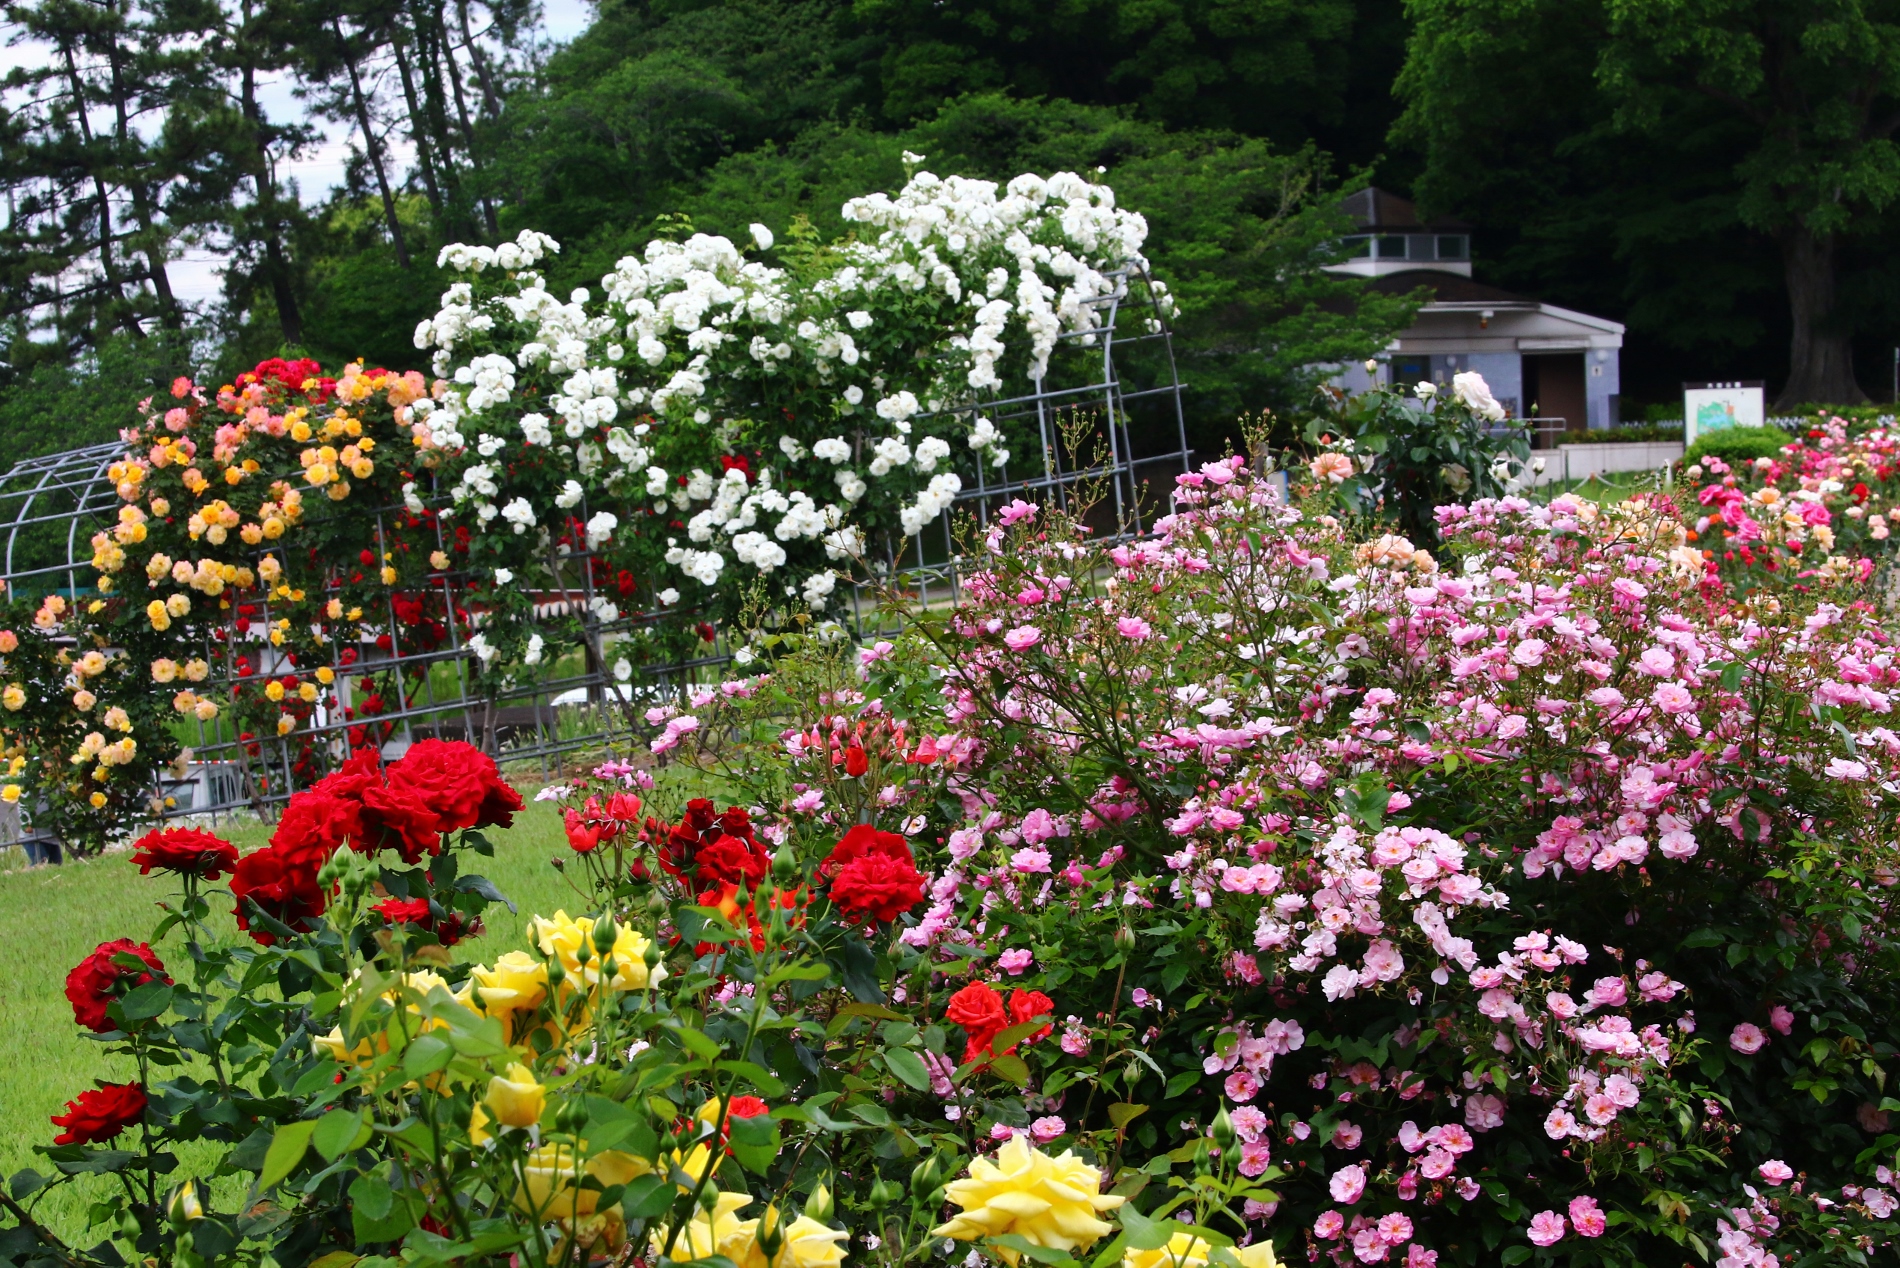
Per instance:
{"type": "Point", "coordinates": [1738, 444]}
{"type": "Point", "coordinates": [1486, 901]}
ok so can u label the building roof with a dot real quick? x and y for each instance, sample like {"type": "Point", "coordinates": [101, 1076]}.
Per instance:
{"type": "Point", "coordinates": [1446, 288]}
{"type": "Point", "coordinates": [1374, 208]}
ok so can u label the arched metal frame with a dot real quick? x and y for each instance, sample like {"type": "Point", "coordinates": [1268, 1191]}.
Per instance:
{"type": "Point", "coordinates": [52, 505]}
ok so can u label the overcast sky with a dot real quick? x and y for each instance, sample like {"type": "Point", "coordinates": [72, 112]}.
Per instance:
{"type": "Point", "coordinates": [319, 168]}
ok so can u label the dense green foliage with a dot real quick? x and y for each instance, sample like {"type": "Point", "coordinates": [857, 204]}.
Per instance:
{"type": "Point", "coordinates": [1719, 179]}
{"type": "Point", "coordinates": [1739, 444]}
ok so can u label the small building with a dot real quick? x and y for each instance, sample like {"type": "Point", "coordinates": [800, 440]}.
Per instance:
{"type": "Point", "coordinates": [1540, 360]}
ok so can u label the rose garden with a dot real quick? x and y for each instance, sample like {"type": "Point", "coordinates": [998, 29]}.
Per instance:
{"type": "Point", "coordinates": [1371, 860]}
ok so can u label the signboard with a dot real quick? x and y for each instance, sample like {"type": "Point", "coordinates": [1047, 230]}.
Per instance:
{"type": "Point", "coordinates": [1712, 407]}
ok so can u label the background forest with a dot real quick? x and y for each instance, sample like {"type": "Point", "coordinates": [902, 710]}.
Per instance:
{"type": "Point", "coordinates": [1721, 179]}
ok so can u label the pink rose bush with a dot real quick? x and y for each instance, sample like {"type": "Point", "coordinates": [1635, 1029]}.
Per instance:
{"type": "Point", "coordinates": [1825, 506]}
{"type": "Point", "coordinates": [1421, 902]}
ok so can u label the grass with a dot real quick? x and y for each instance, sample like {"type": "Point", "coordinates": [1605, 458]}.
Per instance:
{"type": "Point", "coordinates": [52, 916]}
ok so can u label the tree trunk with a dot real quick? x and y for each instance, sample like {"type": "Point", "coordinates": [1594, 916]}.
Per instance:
{"type": "Point", "coordinates": [419, 130]}
{"type": "Point", "coordinates": [127, 315]}
{"type": "Point", "coordinates": [276, 263]}
{"type": "Point", "coordinates": [468, 136]}
{"type": "Point", "coordinates": [144, 201]}
{"type": "Point", "coordinates": [1820, 356]}
{"type": "Point", "coordinates": [372, 146]}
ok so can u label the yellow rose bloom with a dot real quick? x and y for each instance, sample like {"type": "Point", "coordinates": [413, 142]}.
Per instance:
{"type": "Point", "coordinates": [1052, 1202]}
{"type": "Point", "coordinates": [563, 936]}
{"type": "Point", "coordinates": [720, 1233]}
{"type": "Point", "coordinates": [286, 724]}
{"type": "Point", "coordinates": [161, 619]}
{"type": "Point", "coordinates": [14, 697]}
{"type": "Point", "coordinates": [98, 801]}
{"type": "Point", "coordinates": [307, 692]}
{"type": "Point", "coordinates": [551, 1176]}
{"type": "Point", "coordinates": [325, 674]}
{"type": "Point", "coordinates": [1184, 1250]}
{"type": "Point", "coordinates": [10, 794]}
{"type": "Point", "coordinates": [274, 692]}
{"type": "Point", "coordinates": [806, 1244]}
{"type": "Point", "coordinates": [515, 1098]}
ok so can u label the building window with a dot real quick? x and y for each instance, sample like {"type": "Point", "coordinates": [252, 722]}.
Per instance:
{"type": "Point", "coordinates": [1392, 248]}
{"type": "Point", "coordinates": [1357, 247]}
{"type": "Point", "coordinates": [1453, 246]}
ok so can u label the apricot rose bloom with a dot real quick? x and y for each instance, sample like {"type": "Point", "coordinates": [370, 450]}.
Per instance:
{"type": "Point", "coordinates": [1052, 1202]}
{"type": "Point", "coordinates": [564, 936]}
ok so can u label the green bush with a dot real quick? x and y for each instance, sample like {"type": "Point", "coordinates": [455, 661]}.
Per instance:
{"type": "Point", "coordinates": [1740, 444]}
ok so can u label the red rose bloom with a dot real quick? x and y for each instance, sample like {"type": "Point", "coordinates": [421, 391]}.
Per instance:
{"type": "Point", "coordinates": [877, 887]}
{"type": "Point", "coordinates": [363, 771]}
{"type": "Point", "coordinates": [582, 836]}
{"type": "Point", "coordinates": [287, 893]}
{"type": "Point", "coordinates": [399, 818]}
{"type": "Point", "coordinates": [459, 782]}
{"type": "Point", "coordinates": [99, 979]}
{"type": "Point", "coordinates": [1027, 1006]}
{"type": "Point", "coordinates": [313, 825]}
{"type": "Point", "coordinates": [449, 930]}
{"type": "Point", "coordinates": [860, 841]}
{"type": "Point", "coordinates": [979, 1010]}
{"type": "Point", "coordinates": [101, 1114]}
{"type": "Point", "coordinates": [714, 850]}
{"type": "Point", "coordinates": [186, 851]}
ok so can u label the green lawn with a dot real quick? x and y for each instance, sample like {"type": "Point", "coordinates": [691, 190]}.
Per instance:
{"type": "Point", "coordinates": [52, 916]}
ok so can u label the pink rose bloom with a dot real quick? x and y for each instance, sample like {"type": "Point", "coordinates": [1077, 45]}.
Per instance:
{"type": "Point", "coordinates": [1368, 1247]}
{"type": "Point", "coordinates": [1547, 1228]}
{"type": "Point", "coordinates": [1782, 1020]}
{"type": "Point", "coordinates": [1467, 1188]}
{"type": "Point", "coordinates": [1046, 1129]}
{"type": "Point", "coordinates": [1600, 1109]}
{"type": "Point", "coordinates": [1249, 1122]}
{"type": "Point", "coordinates": [1453, 1137]}
{"type": "Point", "coordinates": [1747, 1037]}
{"type": "Point", "coordinates": [1484, 1112]}
{"type": "Point", "coordinates": [1347, 1184]}
{"type": "Point", "coordinates": [1609, 992]}
{"type": "Point", "coordinates": [1017, 510]}
{"type": "Point", "coordinates": [1328, 1225]}
{"type": "Point", "coordinates": [1254, 1157]}
{"type": "Point", "coordinates": [1133, 627]}
{"type": "Point", "coordinates": [1347, 1136]}
{"type": "Point", "coordinates": [1776, 1172]}
{"type": "Point", "coordinates": [1673, 697]}
{"type": "Point", "coordinates": [1022, 638]}
{"type": "Point", "coordinates": [1030, 860]}
{"type": "Point", "coordinates": [1395, 1229]}
{"type": "Point", "coordinates": [1437, 1163]}
{"type": "Point", "coordinates": [1014, 961]}
{"type": "Point", "coordinates": [1586, 1217]}
{"type": "Point", "coordinates": [1241, 1086]}
{"type": "Point", "coordinates": [1560, 1123]}
{"type": "Point", "coordinates": [1416, 1256]}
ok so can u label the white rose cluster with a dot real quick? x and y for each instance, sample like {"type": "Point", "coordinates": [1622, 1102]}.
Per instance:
{"type": "Point", "coordinates": [752, 420]}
